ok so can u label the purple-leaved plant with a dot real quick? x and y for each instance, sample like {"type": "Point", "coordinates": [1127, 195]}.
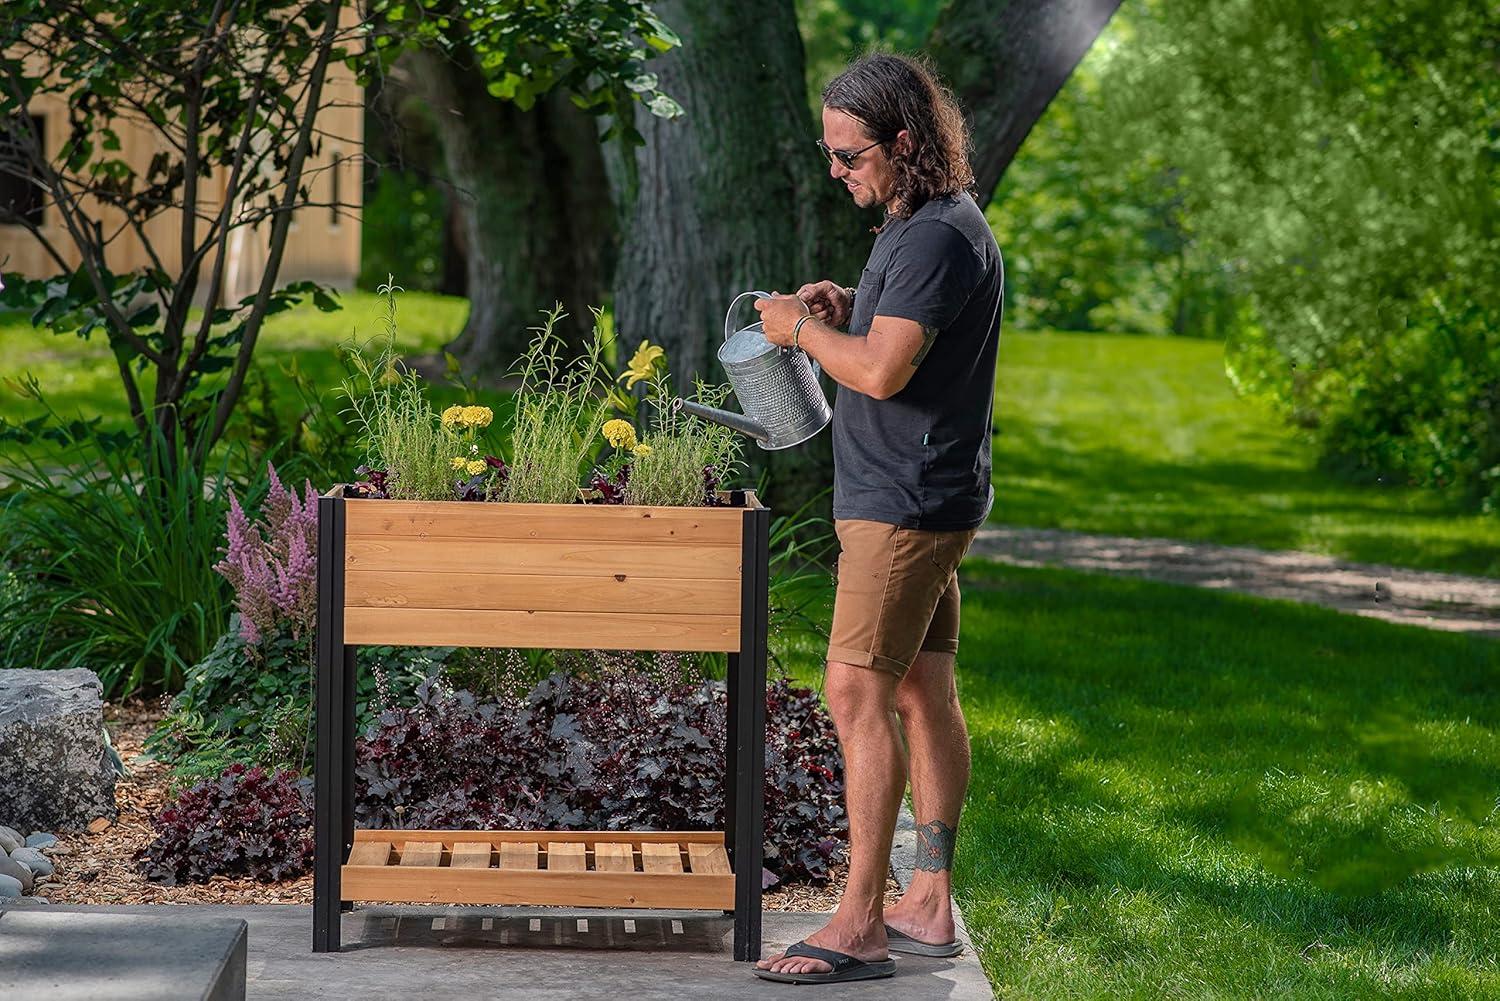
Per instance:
{"type": "Point", "coordinates": [273, 565]}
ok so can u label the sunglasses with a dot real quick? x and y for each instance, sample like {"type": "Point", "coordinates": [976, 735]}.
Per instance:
{"type": "Point", "coordinates": [845, 156]}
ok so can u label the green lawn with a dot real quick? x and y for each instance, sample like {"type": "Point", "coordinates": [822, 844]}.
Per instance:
{"type": "Point", "coordinates": [1145, 436]}
{"type": "Point", "coordinates": [1181, 793]}
{"type": "Point", "coordinates": [79, 378]}
{"type": "Point", "coordinates": [1184, 793]}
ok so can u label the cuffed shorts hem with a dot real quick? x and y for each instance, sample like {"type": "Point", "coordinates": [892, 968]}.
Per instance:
{"type": "Point", "coordinates": [864, 658]}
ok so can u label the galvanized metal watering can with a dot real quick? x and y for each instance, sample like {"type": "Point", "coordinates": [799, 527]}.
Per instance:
{"type": "Point", "coordinates": [777, 387]}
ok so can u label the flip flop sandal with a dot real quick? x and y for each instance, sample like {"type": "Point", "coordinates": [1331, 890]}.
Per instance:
{"type": "Point", "coordinates": [845, 967]}
{"type": "Point", "coordinates": [898, 941]}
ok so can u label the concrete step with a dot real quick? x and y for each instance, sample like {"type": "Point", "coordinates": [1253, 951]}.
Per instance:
{"type": "Point", "coordinates": [52, 954]}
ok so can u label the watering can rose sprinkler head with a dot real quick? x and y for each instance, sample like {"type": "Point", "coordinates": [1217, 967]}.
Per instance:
{"type": "Point", "coordinates": [777, 387]}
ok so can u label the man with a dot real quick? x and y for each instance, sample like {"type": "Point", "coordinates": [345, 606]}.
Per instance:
{"type": "Point", "coordinates": [911, 441]}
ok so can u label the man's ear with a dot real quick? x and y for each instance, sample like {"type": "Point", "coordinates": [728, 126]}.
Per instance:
{"type": "Point", "coordinates": [902, 143]}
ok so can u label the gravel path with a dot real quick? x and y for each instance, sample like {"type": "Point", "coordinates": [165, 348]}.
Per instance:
{"type": "Point", "coordinates": [1450, 602]}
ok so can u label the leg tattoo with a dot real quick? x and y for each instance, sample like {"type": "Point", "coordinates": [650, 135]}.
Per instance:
{"type": "Point", "coordinates": [935, 846]}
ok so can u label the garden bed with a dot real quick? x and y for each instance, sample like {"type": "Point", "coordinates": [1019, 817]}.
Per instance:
{"type": "Point", "coordinates": [99, 867]}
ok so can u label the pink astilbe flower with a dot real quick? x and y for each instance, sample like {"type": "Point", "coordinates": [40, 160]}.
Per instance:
{"type": "Point", "coordinates": [273, 566]}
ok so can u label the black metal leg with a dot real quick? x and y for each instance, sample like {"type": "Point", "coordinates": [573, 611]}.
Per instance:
{"type": "Point", "coordinates": [332, 706]}
{"type": "Point", "coordinates": [731, 746]}
{"type": "Point", "coordinates": [748, 710]}
{"type": "Point", "coordinates": [346, 755]}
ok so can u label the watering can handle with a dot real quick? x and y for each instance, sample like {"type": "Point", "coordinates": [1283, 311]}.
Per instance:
{"type": "Point", "coordinates": [729, 313]}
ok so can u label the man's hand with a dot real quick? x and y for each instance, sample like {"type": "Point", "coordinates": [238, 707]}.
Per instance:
{"type": "Point", "coordinates": [779, 314]}
{"type": "Point", "coordinates": [829, 302]}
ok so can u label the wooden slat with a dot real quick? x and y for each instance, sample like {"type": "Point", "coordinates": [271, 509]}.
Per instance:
{"type": "Point", "coordinates": [564, 522]}
{"type": "Point", "coordinates": [370, 853]}
{"type": "Point", "coordinates": [471, 855]}
{"type": "Point", "coordinates": [710, 860]}
{"type": "Point", "coordinates": [501, 886]}
{"type": "Point", "coordinates": [423, 853]}
{"type": "Point", "coordinates": [500, 837]}
{"type": "Point", "coordinates": [551, 558]}
{"type": "Point", "coordinates": [613, 857]}
{"type": "Point", "coordinates": [658, 857]}
{"type": "Point", "coordinates": [557, 630]}
{"type": "Point", "coordinates": [567, 856]}
{"type": "Point", "coordinates": [518, 855]}
{"type": "Point", "coordinates": [623, 593]}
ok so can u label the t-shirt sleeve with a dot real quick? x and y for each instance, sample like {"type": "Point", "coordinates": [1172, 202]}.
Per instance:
{"type": "Point", "coordinates": [932, 273]}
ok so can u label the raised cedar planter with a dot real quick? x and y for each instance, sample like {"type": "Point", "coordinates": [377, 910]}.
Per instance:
{"type": "Point", "coordinates": [563, 576]}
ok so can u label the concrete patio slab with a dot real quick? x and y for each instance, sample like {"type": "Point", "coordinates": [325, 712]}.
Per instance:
{"type": "Point", "coordinates": [166, 954]}
{"type": "Point", "coordinates": [436, 953]}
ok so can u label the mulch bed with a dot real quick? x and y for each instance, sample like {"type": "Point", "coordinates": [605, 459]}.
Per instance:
{"type": "Point", "coordinates": [98, 866]}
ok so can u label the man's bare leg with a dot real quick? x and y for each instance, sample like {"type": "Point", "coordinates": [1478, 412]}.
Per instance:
{"type": "Point", "coordinates": [862, 703]}
{"type": "Point", "coordinates": [938, 740]}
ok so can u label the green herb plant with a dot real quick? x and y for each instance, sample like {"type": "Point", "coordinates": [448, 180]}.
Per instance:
{"type": "Point", "coordinates": [399, 430]}
{"type": "Point", "coordinates": [559, 409]}
{"type": "Point", "coordinates": [686, 457]}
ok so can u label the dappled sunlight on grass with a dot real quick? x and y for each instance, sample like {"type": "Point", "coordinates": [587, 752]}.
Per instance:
{"type": "Point", "coordinates": [1145, 436]}
{"type": "Point", "coordinates": [1187, 794]}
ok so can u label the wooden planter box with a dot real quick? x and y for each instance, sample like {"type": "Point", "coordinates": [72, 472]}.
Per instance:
{"type": "Point", "coordinates": [563, 576]}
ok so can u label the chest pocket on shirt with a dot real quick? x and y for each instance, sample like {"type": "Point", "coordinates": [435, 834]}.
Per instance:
{"type": "Point", "coordinates": [866, 298]}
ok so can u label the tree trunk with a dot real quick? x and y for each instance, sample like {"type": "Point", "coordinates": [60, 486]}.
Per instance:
{"type": "Point", "coordinates": [732, 196]}
{"type": "Point", "coordinates": [533, 209]}
{"type": "Point", "coordinates": [1005, 65]}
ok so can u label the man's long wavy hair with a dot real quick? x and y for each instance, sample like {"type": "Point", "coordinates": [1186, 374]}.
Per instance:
{"type": "Point", "coordinates": [887, 93]}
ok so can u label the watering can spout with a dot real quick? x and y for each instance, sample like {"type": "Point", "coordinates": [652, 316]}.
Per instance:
{"type": "Point", "coordinates": [728, 418]}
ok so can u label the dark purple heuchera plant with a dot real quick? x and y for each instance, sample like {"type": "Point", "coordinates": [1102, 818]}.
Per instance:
{"type": "Point", "coordinates": [247, 823]}
{"type": "Point", "coordinates": [619, 750]}
{"type": "Point", "coordinates": [273, 564]}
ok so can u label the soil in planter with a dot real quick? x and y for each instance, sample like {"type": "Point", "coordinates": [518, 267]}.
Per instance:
{"type": "Point", "coordinates": [98, 867]}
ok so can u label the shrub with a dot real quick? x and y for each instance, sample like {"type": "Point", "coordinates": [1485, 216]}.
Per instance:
{"type": "Point", "coordinates": [633, 750]}
{"type": "Point", "coordinates": [257, 708]}
{"type": "Point", "coordinates": [247, 823]}
{"type": "Point", "coordinates": [112, 543]}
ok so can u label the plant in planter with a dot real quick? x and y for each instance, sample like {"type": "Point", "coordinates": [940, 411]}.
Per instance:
{"type": "Point", "coordinates": [662, 573]}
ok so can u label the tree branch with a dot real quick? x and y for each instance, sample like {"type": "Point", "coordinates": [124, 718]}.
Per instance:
{"type": "Point", "coordinates": [292, 181]}
{"type": "Point", "coordinates": [1005, 67]}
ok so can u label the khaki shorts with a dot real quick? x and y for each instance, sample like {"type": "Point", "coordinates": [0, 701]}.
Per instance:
{"type": "Point", "coordinates": [897, 594]}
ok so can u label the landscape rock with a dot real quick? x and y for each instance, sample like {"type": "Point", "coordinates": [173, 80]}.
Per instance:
{"type": "Point", "coordinates": [10, 839]}
{"type": "Point", "coordinates": [39, 839]}
{"type": "Point", "coordinates": [18, 872]}
{"type": "Point", "coordinates": [10, 887]}
{"type": "Point", "coordinates": [53, 763]}
{"type": "Point", "coordinates": [34, 860]}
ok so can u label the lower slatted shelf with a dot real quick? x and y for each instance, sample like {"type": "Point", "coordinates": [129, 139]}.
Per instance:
{"type": "Point", "coordinates": [673, 869]}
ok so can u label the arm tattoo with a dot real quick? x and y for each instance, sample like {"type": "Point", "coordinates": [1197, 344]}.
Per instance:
{"type": "Point", "coordinates": [929, 334]}
{"type": "Point", "coordinates": [935, 846]}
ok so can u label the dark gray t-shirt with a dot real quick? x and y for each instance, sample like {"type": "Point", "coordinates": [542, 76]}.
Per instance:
{"type": "Point", "coordinates": [921, 459]}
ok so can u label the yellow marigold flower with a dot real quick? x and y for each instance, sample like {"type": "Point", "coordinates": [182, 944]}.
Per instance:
{"type": "Point", "coordinates": [458, 462]}
{"type": "Point", "coordinates": [477, 417]}
{"type": "Point", "coordinates": [474, 467]}
{"type": "Point", "coordinates": [642, 363]}
{"type": "Point", "coordinates": [454, 415]}
{"type": "Point", "coordinates": [641, 449]}
{"type": "Point", "coordinates": [619, 433]}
